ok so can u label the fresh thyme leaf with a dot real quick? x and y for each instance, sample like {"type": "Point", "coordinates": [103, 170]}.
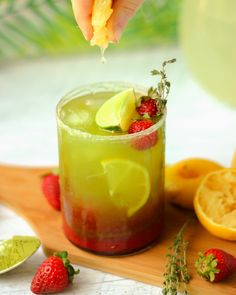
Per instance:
{"type": "Point", "coordinates": [155, 72]}
{"type": "Point", "coordinates": [161, 91]}
{"type": "Point", "coordinates": [176, 274]}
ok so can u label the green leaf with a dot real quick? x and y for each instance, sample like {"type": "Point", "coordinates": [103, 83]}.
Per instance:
{"type": "Point", "coordinates": [155, 72]}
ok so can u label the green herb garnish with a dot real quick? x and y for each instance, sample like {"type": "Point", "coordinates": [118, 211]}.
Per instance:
{"type": "Point", "coordinates": [161, 91]}
{"type": "Point", "coordinates": [176, 275]}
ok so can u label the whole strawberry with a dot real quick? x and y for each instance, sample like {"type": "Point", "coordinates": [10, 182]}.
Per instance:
{"type": "Point", "coordinates": [215, 265]}
{"type": "Point", "coordinates": [51, 190]}
{"type": "Point", "coordinates": [53, 275]}
{"type": "Point", "coordinates": [146, 141]}
{"type": "Point", "coordinates": [148, 107]}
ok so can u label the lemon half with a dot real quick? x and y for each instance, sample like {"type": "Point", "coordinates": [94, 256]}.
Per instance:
{"type": "Point", "coordinates": [183, 178]}
{"type": "Point", "coordinates": [215, 203]}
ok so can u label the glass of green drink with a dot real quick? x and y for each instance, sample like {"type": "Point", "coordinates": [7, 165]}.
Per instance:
{"type": "Point", "coordinates": [112, 182]}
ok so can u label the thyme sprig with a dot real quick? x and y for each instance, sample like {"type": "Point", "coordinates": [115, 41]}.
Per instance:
{"type": "Point", "coordinates": [161, 91]}
{"type": "Point", "coordinates": [176, 276]}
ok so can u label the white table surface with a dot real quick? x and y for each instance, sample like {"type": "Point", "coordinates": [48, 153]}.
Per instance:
{"type": "Point", "coordinates": [197, 125]}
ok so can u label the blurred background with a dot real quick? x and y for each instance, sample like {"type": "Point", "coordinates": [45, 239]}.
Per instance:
{"type": "Point", "coordinates": [43, 55]}
{"type": "Point", "coordinates": [47, 27]}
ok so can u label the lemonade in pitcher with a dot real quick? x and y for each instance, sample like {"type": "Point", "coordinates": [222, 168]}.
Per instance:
{"type": "Point", "coordinates": [111, 152]}
{"type": "Point", "coordinates": [207, 35]}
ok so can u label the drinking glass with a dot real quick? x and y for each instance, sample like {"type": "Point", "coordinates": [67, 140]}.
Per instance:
{"type": "Point", "coordinates": [112, 191]}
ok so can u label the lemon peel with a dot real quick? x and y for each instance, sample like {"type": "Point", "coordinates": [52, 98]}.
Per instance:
{"type": "Point", "coordinates": [215, 203]}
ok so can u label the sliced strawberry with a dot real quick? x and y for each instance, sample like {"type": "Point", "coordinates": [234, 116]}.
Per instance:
{"type": "Point", "coordinates": [51, 190]}
{"type": "Point", "coordinates": [146, 141]}
{"type": "Point", "coordinates": [148, 107]}
{"type": "Point", "coordinates": [215, 265]}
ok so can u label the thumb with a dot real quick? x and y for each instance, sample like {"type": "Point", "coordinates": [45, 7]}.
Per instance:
{"type": "Point", "coordinates": [123, 11]}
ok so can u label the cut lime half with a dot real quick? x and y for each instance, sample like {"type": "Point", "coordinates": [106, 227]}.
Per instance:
{"type": "Point", "coordinates": [129, 184]}
{"type": "Point", "coordinates": [117, 112]}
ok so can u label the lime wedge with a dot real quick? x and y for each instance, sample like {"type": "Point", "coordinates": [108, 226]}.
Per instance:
{"type": "Point", "coordinates": [129, 184]}
{"type": "Point", "coordinates": [117, 112]}
{"type": "Point", "coordinates": [16, 250]}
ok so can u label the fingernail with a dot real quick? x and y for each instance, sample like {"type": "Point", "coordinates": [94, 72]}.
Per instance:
{"type": "Point", "coordinates": [114, 36]}
{"type": "Point", "coordinates": [88, 36]}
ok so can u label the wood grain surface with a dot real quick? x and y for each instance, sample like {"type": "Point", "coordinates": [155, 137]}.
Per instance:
{"type": "Point", "coordinates": [20, 190]}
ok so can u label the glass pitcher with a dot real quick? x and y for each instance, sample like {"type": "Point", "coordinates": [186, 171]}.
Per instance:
{"type": "Point", "coordinates": [208, 38]}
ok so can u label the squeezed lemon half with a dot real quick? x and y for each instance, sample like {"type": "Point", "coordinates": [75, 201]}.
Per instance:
{"type": "Point", "coordinates": [129, 184]}
{"type": "Point", "coordinates": [183, 178]}
{"type": "Point", "coordinates": [215, 203]}
{"type": "Point", "coordinates": [101, 13]}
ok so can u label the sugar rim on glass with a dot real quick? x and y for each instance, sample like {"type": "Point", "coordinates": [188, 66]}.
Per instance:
{"type": "Point", "coordinates": [112, 86]}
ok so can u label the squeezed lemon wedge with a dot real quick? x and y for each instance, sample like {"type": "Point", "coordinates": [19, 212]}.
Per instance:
{"type": "Point", "coordinates": [101, 13]}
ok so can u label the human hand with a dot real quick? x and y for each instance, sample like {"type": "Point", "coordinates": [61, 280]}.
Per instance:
{"type": "Point", "coordinates": [123, 11]}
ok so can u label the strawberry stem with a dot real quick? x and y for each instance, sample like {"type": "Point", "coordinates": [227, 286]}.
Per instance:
{"type": "Point", "coordinates": [71, 271]}
{"type": "Point", "coordinates": [206, 266]}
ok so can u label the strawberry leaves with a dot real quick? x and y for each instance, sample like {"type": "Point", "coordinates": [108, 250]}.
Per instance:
{"type": "Point", "coordinates": [71, 271]}
{"type": "Point", "coordinates": [206, 266]}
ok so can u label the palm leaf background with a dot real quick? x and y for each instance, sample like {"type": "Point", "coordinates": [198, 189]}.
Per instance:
{"type": "Point", "coordinates": [47, 27]}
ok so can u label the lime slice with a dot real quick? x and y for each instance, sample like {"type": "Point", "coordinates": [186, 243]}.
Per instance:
{"type": "Point", "coordinates": [117, 112]}
{"type": "Point", "coordinates": [129, 184]}
{"type": "Point", "coordinates": [16, 250]}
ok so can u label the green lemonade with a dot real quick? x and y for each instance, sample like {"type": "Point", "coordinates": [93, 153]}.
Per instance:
{"type": "Point", "coordinates": [112, 191]}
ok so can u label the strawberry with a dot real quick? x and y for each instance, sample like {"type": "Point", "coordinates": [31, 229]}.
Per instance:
{"type": "Point", "coordinates": [139, 125]}
{"type": "Point", "coordinates": [146, 141]}
{"type": "Point", "coordinates": [51, 190]}
{"type": "Point", "coordinates": [148, 107]}
{"type": "Point", "coordinates": [215, 265]}
{"type": "Point", "coordinates": [53, 275]}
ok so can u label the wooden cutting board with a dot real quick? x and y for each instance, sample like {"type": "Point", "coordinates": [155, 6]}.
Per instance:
{"type": "Point", "coordinates": [20, 190]}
